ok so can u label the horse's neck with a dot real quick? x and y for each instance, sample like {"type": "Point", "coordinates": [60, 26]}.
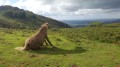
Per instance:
{"type": "Point", "coordinates": [41, 31]}
{"type": "Point", "coordinates": [38, 32]}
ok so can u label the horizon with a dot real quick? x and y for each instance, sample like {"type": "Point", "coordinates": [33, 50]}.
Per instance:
{"type": "Point", "coordinates": [90, 19]}
{"type": "Point", "coordinates": [69, 9]}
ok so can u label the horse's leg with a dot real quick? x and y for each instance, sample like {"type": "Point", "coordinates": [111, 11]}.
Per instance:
{"type": "Point", "coordinates": [46, 43]}
{"type": "Point", "coordinates": [47, 39]}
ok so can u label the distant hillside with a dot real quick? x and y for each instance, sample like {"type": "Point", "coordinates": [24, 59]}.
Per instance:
{"type": "Point", "coordinates": [83, 23]}
{"type": "Point", "coordinates": [13, 17]}
{"type": "Point", "coordinates": [117, 24]}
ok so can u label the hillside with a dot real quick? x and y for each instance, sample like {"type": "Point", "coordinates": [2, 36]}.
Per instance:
{"type": "Point", "coordinates": [76, 47]}
{"type": "Point", "coordinates": [13, 17]}
{"type": "Point", "coordinates": [112, 25]}
{"type": "Point", "coordinates": [84, 23]}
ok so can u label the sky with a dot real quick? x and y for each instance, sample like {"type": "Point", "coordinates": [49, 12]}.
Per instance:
{"type": "Point", "coordinates": [70, 9]}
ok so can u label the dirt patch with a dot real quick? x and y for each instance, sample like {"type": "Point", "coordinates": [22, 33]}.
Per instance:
{"type": "Point", "coordinates": [74, 65]}
{"type": "Point", "coordinates": [118, 65]}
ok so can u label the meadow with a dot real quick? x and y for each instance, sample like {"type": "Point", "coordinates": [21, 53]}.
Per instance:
{"type": "Point", "coordinates": [76, 47]}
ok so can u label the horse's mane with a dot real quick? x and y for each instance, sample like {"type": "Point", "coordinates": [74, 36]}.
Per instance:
{"type": "Point", "coordinates": [43, 27]}
{"type": "Point", "coordinates": [44, 24]}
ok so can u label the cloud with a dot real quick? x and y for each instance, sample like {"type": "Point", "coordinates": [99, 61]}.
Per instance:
{"type": "Point", "coordinates": [92, 4]}
{"type": "Point", "coordinates": [37, 6]}
{"type": "Point", "coordinates": [60, 9]}
{"type": "Point", "coordinates": [5, 2]}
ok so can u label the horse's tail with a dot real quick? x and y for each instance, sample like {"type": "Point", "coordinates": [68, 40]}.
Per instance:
{"type": "Point", "coordinates": [20, 48]}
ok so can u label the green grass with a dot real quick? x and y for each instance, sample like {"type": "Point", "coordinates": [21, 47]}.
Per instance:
{"type": "Point", "coordinates": [83, 47]}
{"type": "Point", "coordinates": [112, 25]}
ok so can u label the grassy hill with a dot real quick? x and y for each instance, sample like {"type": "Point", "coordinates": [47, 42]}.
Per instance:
{"type": "Point", "coordinates": [13, 17]}
{"type": "Point", "coordinates": [76, 47]}
{"type": "Point", "coordinates": [112, 25]}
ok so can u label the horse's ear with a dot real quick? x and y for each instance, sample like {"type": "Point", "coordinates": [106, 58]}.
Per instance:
{"type": "Point", "coordinates": [46, 23]}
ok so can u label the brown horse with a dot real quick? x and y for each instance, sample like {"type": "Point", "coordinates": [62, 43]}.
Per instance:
{"type": "Point", "coordinates": [35, 41]}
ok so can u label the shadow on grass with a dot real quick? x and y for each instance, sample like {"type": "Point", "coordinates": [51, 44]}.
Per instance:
{"type": "Point", "coordinates": [57, 51]}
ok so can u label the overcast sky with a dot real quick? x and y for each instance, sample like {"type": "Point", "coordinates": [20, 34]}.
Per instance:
{"type": "Point", "coordinates": [70, 9]}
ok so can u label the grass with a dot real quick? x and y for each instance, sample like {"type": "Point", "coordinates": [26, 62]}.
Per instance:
{"type": "Point", "coordinates": [75, 48]}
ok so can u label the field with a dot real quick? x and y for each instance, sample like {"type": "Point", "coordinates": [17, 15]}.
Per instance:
{"type": "Point", "coordinates": [76, 47]}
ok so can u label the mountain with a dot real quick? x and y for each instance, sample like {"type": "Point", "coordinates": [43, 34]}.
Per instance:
{"type": "Point", "coordinates": [13, 17]}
